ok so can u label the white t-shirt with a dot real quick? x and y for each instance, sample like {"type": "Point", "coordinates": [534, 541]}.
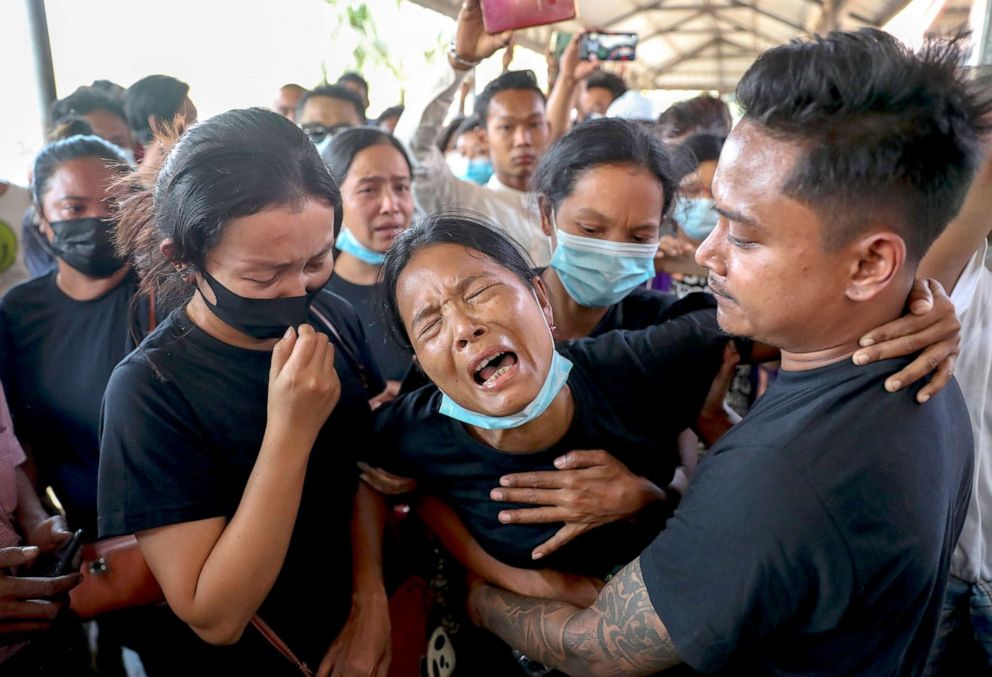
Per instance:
{"type": "Point", "coordinates": [436, 188]}
{"type": "Point", "coordinates": [972, 297]}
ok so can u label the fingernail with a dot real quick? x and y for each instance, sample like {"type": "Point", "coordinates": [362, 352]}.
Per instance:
{"type": "Point", "coordinates": [538, 555]}
{"type": "Point", "coordinates": [289, 332]}
{"type": "Point", "coordinates": [860, 358]}
{"type": "Point", "coordinates": [865, 342]}
{"type": "Point", "coordinates": [559, 462]}
{"type": "Point", "coordinates": [496, 495]}
{"type": "Point", "coordinates": [504, 482]}
{"type": "Point", "coordinates": [893, 386]}
{"type": "Point", "coordinates": [923, 398]}
{"type": "Point", "coordinates": [504, 517]}
{"type": "Point", "coordinates": [919, 306]}
{"type": "Point", "coordinates": [29, 550]}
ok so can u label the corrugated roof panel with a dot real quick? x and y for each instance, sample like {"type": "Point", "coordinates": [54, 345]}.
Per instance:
{"type": "Point", "coordinates": [679, 30]}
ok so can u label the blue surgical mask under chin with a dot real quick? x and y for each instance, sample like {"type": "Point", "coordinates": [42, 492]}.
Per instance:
{"type": "Point", "coordinates": [553, 384]}
{"type": "Point", "coordinates": [696, 216]}
{"type": "Point", "coordinates": [599, 273]}
{"type": "Point", "coordinates": [347, 242]}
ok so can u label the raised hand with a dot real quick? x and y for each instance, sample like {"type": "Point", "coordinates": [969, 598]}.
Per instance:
{"type": "Point", "coordinates": [472, 43]}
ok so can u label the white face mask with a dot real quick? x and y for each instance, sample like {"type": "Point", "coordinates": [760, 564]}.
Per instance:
{"type": "Point", "coordinates": [457, 163]}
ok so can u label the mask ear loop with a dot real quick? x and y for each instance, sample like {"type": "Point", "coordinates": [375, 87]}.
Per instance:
{"type": "Point", "coordinates": [552, 242]}
{"type": "Point", "coordinates": [39, 237]}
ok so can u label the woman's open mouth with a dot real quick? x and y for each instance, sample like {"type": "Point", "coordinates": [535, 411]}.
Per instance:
{"type": "Point", "coordinates": [489, 372]}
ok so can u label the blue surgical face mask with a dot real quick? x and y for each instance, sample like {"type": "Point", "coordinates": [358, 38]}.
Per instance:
{"type": "Point", "coordinates": [598, 273]}
{"type": "Point", "coordinates": [479, 170]}
{"type": "Point", "coordinates": [557, 377]}
{"type": "Point", "coordinates": [347, 242]}
{"type": "Point", "coordinates": [696, 216]}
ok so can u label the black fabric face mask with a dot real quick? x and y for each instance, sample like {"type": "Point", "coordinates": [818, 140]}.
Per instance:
{"type": "Point", "coordinates": [259, 318]}
{"type": "Point", "coordinates": [87, 245]}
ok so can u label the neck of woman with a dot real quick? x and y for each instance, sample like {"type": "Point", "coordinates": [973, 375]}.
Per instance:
{"type": "Point", "coordinates": [572, 321]}
{"type": "Point", "coordinates": [353, 269]}
{"type": "Point", "coordinates": [81, 287]}
{"type": "Point", "coordinates": [541, 433]}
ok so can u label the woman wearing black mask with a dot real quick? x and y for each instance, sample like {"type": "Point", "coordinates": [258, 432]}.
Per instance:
{"type": "Point", "coordinates": [230, 436]}
{"type": "Point", "coordinates": [63, 333]}
{"type": "Point", "coordinates": [60, 337]}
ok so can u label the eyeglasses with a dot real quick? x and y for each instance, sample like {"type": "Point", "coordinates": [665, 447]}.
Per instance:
{"type": "Point", "coordinates": [318, 132]}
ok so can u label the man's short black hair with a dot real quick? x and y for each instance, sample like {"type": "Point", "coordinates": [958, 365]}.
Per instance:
{"type": "Point", "coordinates": [887, 134]}
{"type": "Point", "coordinates": [86, 100]}
{"type": "Point", "coordinates": [703, 114]}
{"type": "Point", "coordinates": [333, 92]}
{"type": "Point", "coordinates": [354, 78]}
{"type": "Point", "coordinates": [695, 150]}
{"type": "Point", "coordinates": [508, 80]}
{"type": "Point", "coordinates": [391, 112]}
{"type": "Point", "coordinates": [604, 80]}
{"type": "Point", "coordinates": [158, 96]}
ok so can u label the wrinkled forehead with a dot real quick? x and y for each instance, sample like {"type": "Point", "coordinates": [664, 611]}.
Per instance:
{"type": "Point", "coordinates": [439, 271]}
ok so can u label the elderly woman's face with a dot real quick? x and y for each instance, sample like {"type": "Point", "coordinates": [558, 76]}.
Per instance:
{"type": "Point", "coordinates": [480, 333]}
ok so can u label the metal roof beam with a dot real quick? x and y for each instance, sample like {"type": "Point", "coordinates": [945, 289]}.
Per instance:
{"type": "Point", "coordinates": [770, 15]}
{"type": "Point", "coordinates": [891, 14]}
{"type": "Point", "coordinates": [698, 31]}
{"type": "Point", "coordinates": [696, 51]}
{"type": "Point", "coordinates": [633, 12]}
{"type": "Point", "coordinates": [758, 34]}
{"type": "Point", "coordinates": [672, 28]}
{"type": "Point", "coordinates": [743, 48]}
{"type": "Point", "coordinates": [694, 84]}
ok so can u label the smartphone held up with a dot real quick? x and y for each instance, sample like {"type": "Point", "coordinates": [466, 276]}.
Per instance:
{"type": "Point", "coordinates": [608, 46]}
{"type": "Point", "coordinates": [510, 15]}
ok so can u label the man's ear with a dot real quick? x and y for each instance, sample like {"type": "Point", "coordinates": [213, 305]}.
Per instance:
{"type": "Point", "coordinates": [878, 260]}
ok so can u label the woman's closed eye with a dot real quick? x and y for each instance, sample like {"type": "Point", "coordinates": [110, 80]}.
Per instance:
{"type": "Point", "coordinates": [262, 282]}
{"type": "Point", "coordinates": [428, 326]}
{"type": "Point", "coordinates": [480, 294]}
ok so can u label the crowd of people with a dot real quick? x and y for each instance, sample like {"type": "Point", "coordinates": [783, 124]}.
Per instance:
{"type": "Point", "coordinates": [557, 386]}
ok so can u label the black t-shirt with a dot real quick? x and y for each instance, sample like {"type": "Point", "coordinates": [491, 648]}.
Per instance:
{"type": "Point", "coordinates": [56, 355]}
{"type": "Point", "coordinates": [815, 538]}
{"type": "Point", "coordinates": [394, 360]}
{"type": "Point", "coordinates": [640, 309]}
{"type": "Point", "coordinates": [619, 382]}
{"type": "Point", "coordinates": [183, 422]}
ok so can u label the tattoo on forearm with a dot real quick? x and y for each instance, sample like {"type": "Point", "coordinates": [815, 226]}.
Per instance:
{"type": "Point", "coordinates": [619, 635]}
